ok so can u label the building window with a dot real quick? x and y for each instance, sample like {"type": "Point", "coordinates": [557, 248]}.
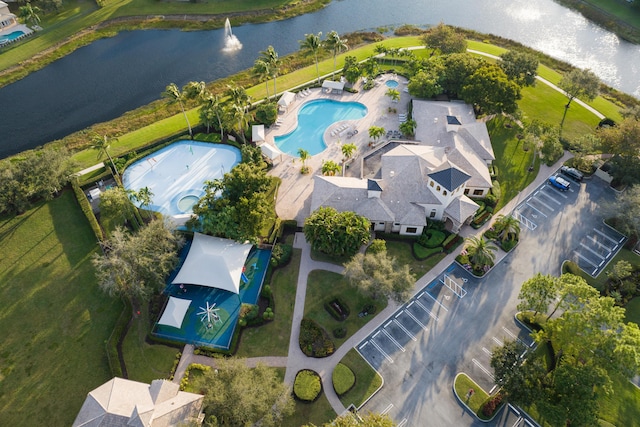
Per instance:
{"type": "Point", "coordinates": [438, 188]}
{"type": "Point", "coordinates": [466, 191]}
{"type": "Point", "coordinates": [444, 192]}
{"type": "Point", "coordinates": [478, 192]}
{"type": "Point", "coordinates": [412, 230]}
{"type": "Point", "coordinates": [432, 214]}
{"type": "Point", "coordinates": [431, 183]}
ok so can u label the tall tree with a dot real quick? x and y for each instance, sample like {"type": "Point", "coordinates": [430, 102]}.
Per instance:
{"type": "Point", "coordinates": [312, 44]}
{"type": "Point", "coordinates": [304, 156]}
{"type": "Point", "coordinates": [212, 111]}
{"type": "Point", "coordinates": [537, 293]}
{"type": "Point", "coordinates": [270, 56]}
{"type": "Point", "coordinates": [509, 227]}
{"type": "Point", "coordinates": [424, 85]}
{"type": "Point", "coordinates": [456, 70]}
{"type": "Point", "coordinates": [236, 395]}
{"type": "Point", "coordinates": [136, 265]}
{"type": "Point", "coordinates": [335, 45]}
{"type": "Point", "coordinates": [102, 143]}
{"type": "Point", "coordinates": [489, 89]}
{"type": "Point", "coordinates": [145, 196]}
{"type": "Point", "coordinates": [481, 252]}
{"type": "Point", "coordinates": [626, 210]}
{"type": "Point", "coordinates": [173, 94]}
{"type": "Point", "coordinates": [578, 83]}
{"type": "Point", "coordinates": [339, 234]}
{"type": "Point", "coordinates": [519, 374]}
{"type": "Point", "coordinates": [116, 203]}
{"type": "Point", "coordinates": [30, 13]}
{"type": "Point", "coordinates": [262, 71]}
{"type": "Point", "coordinates": [623, 141]}
{"type": "Point", "coordinates": [445, 39]}
{"type": "Point", "coordinates": [519, 66]}
{"type": "Point", "coordinates": [380, 275]}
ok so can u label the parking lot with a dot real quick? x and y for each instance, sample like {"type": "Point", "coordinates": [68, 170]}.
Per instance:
{"type": "Point", "coordinates": [416, 317]}
{"type": "Point", "coordinates": [596, 248]}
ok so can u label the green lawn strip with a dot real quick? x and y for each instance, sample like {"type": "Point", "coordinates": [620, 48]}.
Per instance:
{"type": "Point", "coordinates": [146, 362]}
{"type": "Point", "coordinates": [622, 407]}
{"type": "Point", "coordinates": [322, 287]}
{"type": "Point", "coordinates": [368, 381]}
{"type": "Point", "coordinates": [272, 339]}
{"type": "Point", "coordinates": [622, 10]}
{"type": "Point", "coordinates": [632, 313]}
{"type": "Point", "coordinates": [462, 385]}
{"type": "Point", "coordinates": [54, 319]}
{"type": "Point", "coordinates": [318, 413]}
{"type": "Point", "coordinates": [401, 250]}
{"type": "Point", "coordinates": [511, 159]}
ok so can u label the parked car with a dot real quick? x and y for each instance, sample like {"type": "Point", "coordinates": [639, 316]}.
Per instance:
{"type": "Point", "coordinates": [559, 182]}
{"type": "Point", "coordinates": [572, 173]}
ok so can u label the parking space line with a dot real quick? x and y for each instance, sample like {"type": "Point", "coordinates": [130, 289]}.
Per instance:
{"type": "Point", "coordinates": [556, 192]}
{"type": "Point", "coordinates": [587, 260]}
{"type": "Point", "coordinates": [537, 210]}
{"type": "Point", "coordinates": [593, 252]}
{"type": "Point", "coordinates": [524, 220]}
{"type": "Point", "coordinates": [405, 330]}
{"type": "Point", "coordinates": [417, 321]}
{"type": "Point", "coordinates": [363, 345]}
{"type": "Point", "coordinates": [545, 205]}
{"type": "Point", "coordinates": [427, 310]}
{"type": "Point", "coordinates": [433, 298]}
{"type": "Point", "coordinates": [393, 340]}
{"type": "Point", "coordinates": [605, 236]}
{"type": "Point", "coordinates": [386, 356]}
{"type": "Point", "coordinates": [514, 336]}
{"type": "Point", "coordinates": [554, 200]}
{"type": "Point", "coordinates": [497, 341]}
{"type": "Point", "coordinates": [595, 241]}
{"type": "Point", "coordinates": [403, 422]}
{"type": "Point", "coordinates": [483, 369]}
{"type": "Point", "coordinates": [387, 409]}
{"type": "Point", "coordinates": [487, 351]}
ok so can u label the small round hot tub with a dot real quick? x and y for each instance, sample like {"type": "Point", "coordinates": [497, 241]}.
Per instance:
{"type": "Point", "coordinates": [186, 203]}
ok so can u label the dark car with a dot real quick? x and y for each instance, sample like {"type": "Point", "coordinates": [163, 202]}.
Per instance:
{"type": "Point", "coordinates": [559, 182]}
{"type": "Point", "coordinates": [572, 173]}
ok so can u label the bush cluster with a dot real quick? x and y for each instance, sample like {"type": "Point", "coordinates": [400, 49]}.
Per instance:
{"type": "Point", "coordinates": [314, 340]}
{"type": "Point", "coordinates": [86, 209]}
{"type": "Point", "coordinates": [340, 332]}
{"type": "Point", "coordinates": [343, 379]}
{"type": "Point", "coordinates": [490, 406]}
{"type": "Point", "coordinates": [431, 238]}
{"type": "Point", "coordinates": [307, 386]}
{"type": "Point", "coordinates": [281, 254]}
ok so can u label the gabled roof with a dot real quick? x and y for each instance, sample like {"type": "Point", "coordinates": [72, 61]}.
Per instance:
{"type": "Point", "coordinates": [461, 208]}
{"type": "Point", "coordinates": [449, 176]}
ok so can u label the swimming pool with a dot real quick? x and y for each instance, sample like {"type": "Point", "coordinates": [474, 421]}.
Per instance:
{"type": "Point", "coordinates": [392, 83]}
{"type": "Point", "coordinates": [176, 174]}
{"type": "Point", "coordinates": [11, 36]}
{"type": "Point", "coordinates": [314, 118]}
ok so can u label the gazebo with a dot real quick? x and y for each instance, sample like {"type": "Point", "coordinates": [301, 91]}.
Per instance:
{"type": "Point", "coordinates": [213, 262]}
{"type": "Point", "coordinates": [286, 99]}
{"type": "Point", "coordinates": [331, 86]}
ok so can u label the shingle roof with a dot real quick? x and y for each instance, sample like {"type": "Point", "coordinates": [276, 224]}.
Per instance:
{"type": "Point", "coordinates": [449, 176]}
{"type": "Point", "coordinates": [461, 208]}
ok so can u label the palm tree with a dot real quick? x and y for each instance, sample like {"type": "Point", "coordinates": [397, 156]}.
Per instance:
{"type": "Point", "coordinates": [409, 127]}
{"type": "Point", "coordinates": [393, 94]}
{"type": "Point", "coordinates": [481, 252]}
{"type": "Point", "coordinates": [144, 196]}
{"type": "Point", "coordinates": [510, 227]}
{"type": "Point", "coordinates": [330, 168]}
{"type": "Point", "coordinates": [348, 150]}
{"type": "Point", "coordinates": [102, 143]}
{"type": "Point", "coordinates": [336, 45]}
{"type": "Point", "coordinates": [312, 43]}
{"type": "Point", "coordinates": [173, 94]}
{"type": "Point", "coordinates": [238, 96]}
{"type": "Point", "coordinates": [30, 14]}
{"type": "Point", "coordinates": [262, 71]}
{"type": "Point", "coordinates": [270, 56]}
{"type": "Point", "coordinates": [240, 118]}
{"type": "Point", "coordinates": [304, 156]}
{"type": "Point", "coordinates": [210, 110]}
{"type": "Point", "coordinates": [195, 90]}
{"type": "Point", "coordinates": [376, 132]}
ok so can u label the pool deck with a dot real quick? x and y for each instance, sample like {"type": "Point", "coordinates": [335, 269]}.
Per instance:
{"type": "Point", "coordinates": [294, 195]}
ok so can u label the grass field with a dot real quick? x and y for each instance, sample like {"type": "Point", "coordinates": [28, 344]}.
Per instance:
{"type": "Point", "coordinates": [318, 413]}
{"type": "Point", "coordinates": [322, 287]}
{"type": "Point", "coordinates": [401, 250]}
{"type": "Point", "coordinates": [368, 381]}
{"type": "Point", "coordinates": [272, 339]}
{"type": "Point", "coordinates": [54, 320]}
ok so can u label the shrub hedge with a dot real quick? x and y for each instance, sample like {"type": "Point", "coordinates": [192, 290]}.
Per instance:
{"type": "Point", "coordinates": [307, 385]}
{"type": "Point", "coordinates": [431, 238]}
{"type": "Point", "coordinates": [343, 379]}
{"type": "Point", "coordinates": [422, 253]}
{"type": "Point", "coordinates": [337, 308]}
{"type": "Point", "coordinates": [314, 340]}
{"type": "Point", "coordinates": [86, 209]}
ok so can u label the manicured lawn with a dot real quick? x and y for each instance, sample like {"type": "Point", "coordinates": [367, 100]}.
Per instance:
{"type": "Point", "coordinates": [54, 319]}
{"type": "Point", "coordinates": [622, 408]}
{"type": "Point", "coordinates": [322, 287]}
{"type": "Point", "coordinates": [511, 159]}
{"type": "Point", "coordinates": [318, 413]}
{"type": "Point", "coordinates": [632, 313]}
{"type": "Point", "coordinates": [146, 362]}
{"type": "Point", "coordinates": [272, 339]}
{"type": "Point", "coordinates": [462, 385]}
{"type": "Point", "coordinates": [401, 250]}
{"type": "Point", "coordinates": [368, 381]}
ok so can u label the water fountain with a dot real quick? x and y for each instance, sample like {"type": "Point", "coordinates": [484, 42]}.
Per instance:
{"type": "Point", "coordinates": [231, 42]}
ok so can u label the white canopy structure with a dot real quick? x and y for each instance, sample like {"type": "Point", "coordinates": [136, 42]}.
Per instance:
{"type": "Point", "coordinates": [286, 99]}
{"type": "Point", "coordinates": [270, 151]}
{"type": "Point", "coordinates": [214, 262]}
{"type": "Point", "coordinates": [257, 133]}
{"type": "Point", "coordinates": [174, 312]}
